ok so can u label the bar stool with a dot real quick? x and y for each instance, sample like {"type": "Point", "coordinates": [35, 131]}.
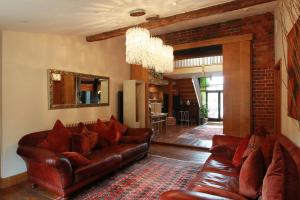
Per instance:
{"type": "Point", "coordinates": [184, 117]}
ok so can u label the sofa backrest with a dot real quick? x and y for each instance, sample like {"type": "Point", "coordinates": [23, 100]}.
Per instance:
{"type": "Point", "coordinates": [33, 139]}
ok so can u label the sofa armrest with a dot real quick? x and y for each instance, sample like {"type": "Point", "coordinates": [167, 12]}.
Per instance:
{"type": "Point", "coordinates": [227, 140]}
{"type": "Point", "coordinates": [58, 162]}
{"type": "Point", "coordinates": [222, 151]}
{"type": "Point", "coordinates": [146, 133]}
{"type": "Point", "coordinates": [189, 195]}
{"type": "Point", "coordinates": [224, 145]}
{"type": "Point", "coordinates": [219, 192]}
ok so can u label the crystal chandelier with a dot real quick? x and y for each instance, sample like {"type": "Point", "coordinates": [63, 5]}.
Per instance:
{"type": "Point", "coordinates": [167, 59]}
{"type": "Point", "coordinates": [137, 40]}
{"type": "Point", "coordinates": [150, 52]}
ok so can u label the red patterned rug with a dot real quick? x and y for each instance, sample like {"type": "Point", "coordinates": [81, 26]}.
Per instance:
{"type": "Point", "coordinates": [146, 179]}
{"type": "Point", "coordinates": [203, 132]}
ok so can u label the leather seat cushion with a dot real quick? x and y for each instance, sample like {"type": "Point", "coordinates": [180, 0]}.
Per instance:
{"type": "Point", "coordinates": [103, 160]}
{"type": "Point", "coordinates": [216, 180]}
{"type": "Point", "coordinates": [129, 151]}
{"type": "Point", "coordinates": [220, 165]}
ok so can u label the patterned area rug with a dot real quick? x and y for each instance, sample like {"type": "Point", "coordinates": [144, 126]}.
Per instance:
{"type": "Point", "coordinates": [203, 132]}
{"type": "Point", "coordinates": [146, 179]}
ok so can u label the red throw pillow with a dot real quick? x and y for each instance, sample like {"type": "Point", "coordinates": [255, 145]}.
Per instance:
{"type": "Point", "coordinates": [102, 141]}
{"type": "Point", "coordinates": [252, 174]}
{"type": "Point", "coordinates": [110, 133]}
{"type": "Point", "coordinates": [266, 144]}
{"type": "Point", "coordinates": [58, 140]}
{"type": "Point", "coordinates": [254, 143]}
{"type": "Point", "coordinates": [120, 126]}
{"type": "Point", "coordinates": [93, 136]}
{"type": "Point", "coordinates": [273, 184]}
{"type": "Point", "coordinates": [113, 135]}
{"type": "Point", "coordinates": [81, 143]}
{"type": "Point", "coordinates": [238, 155]}
{"type": "Point", "coordinates": [76, 159]}
{"type": "Point", "coordinates": [99, 127]}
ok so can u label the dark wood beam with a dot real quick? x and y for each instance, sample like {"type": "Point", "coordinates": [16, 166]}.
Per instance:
{"type": "Point", "coordinates": [204, 12]}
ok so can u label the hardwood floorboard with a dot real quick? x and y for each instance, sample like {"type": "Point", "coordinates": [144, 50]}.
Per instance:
{"type": "Point", "coordinates": [23, 191]}
{"type": "Point", "coordinates": [189, 136]}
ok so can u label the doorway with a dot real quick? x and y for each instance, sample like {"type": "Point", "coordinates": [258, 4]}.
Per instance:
{"type": "Point", "coordinates": [214, 102]}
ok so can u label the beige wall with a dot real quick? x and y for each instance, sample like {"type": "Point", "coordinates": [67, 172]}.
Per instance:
{"type": "Point", "coordinates": [0, 97]}
{"type": "Point", "coordinates": [290, 127]}
{"type": "Point", "coordinates": [26, 58]}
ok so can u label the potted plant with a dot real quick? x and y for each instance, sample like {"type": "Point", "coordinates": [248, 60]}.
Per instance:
{"type": "Point", "coordinates": [203, 114]}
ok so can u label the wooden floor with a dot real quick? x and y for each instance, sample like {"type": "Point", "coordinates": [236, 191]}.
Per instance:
{"type": "Point", "coordinates": [173, 135]}
{"type": "Point", "coordinates": [23, 191]}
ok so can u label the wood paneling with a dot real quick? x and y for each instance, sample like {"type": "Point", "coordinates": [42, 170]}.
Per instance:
{"type": "Point", "coordinates": [186, 90]}
{"type": "Point", "coordinates": [237, 88]}
{"type": "Point", "coordinates": [139, 73]}
{"type": "Point", "coordinates": [203, 12]}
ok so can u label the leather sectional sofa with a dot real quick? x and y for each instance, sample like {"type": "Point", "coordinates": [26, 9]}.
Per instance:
{"type": "Point", "coordinates": [219, 179]}
{"type": "Point", "coordinates": [54, 171]}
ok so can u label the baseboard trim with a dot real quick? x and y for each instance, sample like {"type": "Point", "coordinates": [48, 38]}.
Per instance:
{"type": "Point", "coordinates": [12, 180]}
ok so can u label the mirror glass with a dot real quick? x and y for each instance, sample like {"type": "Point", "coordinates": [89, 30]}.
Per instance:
{"type": "Point", "coordinates": [69, 90]}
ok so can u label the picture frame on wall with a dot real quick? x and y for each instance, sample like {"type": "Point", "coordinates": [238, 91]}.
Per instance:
{"type": "Point", "coordinates": [293, 68]}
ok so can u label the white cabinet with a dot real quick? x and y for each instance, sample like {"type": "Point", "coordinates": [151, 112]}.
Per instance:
{"type": "Point", "coordinates": [134, 103]}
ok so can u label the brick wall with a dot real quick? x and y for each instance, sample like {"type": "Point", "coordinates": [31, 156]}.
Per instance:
{"type": "Point", "coordinates": [262, 26]}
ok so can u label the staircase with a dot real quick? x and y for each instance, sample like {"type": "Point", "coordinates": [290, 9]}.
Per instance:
{"type": "Point", "coordinates": [186, 90]}
{"type": "Point", "coordinates": [197, 91]}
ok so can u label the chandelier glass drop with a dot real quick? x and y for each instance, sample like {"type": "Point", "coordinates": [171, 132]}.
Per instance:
{"type": "Point", "coordinates": [137, 41]}
{"type": "Point", "coordinates": [150, 52]}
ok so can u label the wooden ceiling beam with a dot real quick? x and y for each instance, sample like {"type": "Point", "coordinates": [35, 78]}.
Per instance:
{"type": "Point", "coordinates": [203, 12]}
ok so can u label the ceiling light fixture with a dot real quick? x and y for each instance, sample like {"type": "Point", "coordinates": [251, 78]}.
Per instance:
{"type": "Point", "coordinates": [150, 52]}
{"type": "Point", "coordinates": [136, 44]}
{"type": "Point", "coordinates": [137, 12]}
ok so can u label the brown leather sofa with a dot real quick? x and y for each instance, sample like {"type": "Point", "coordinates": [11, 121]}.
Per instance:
{"type": "Point", "coordinates": [219, 179]}
{"type": "Point", "coordinates": [55, 172]}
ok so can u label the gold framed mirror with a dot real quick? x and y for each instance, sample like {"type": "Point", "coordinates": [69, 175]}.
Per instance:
{"type": "Point", "coordinates": [73, 90]}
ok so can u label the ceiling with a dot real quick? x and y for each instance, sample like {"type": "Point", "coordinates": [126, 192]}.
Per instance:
{"type": "Point", "coordinates": [86, 17]}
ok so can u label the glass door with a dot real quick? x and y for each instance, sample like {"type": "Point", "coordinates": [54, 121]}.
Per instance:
{"type": "Point", "coordinates": [214, 102]}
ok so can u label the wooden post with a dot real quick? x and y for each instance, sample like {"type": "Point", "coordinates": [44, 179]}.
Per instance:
{"type": "Point", "coordinates": [170, 99]}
